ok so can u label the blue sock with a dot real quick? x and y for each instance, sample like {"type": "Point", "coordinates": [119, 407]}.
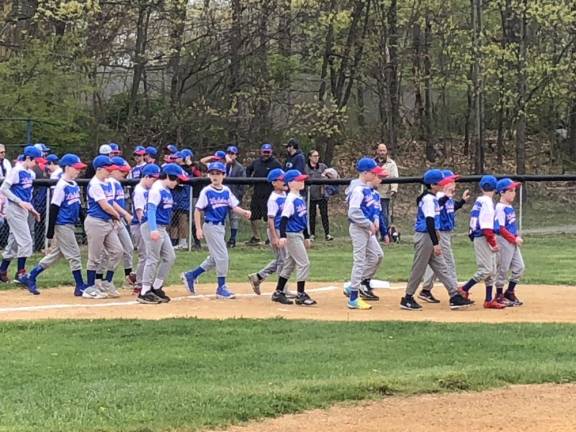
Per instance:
{"type": "Point", "coordinates": [90, 277]}
{"type": "Point", "coordinates": [353, 295]}
{"type": "Point", "coordinates": [221, 281]}
{"type": "Point", "coordinates": [511, 287]}
{"type": "Point", "coordinates": [4, 265]}
{"type": "Point", "coordinates": [78, 278]}
{"type": "Point", "coordinates": [488, 293]}
{"type": "Point", "coordinates": [36, 271]}
{"type": "Point", "coordinates": [197, 272]}
{"type": "Point", "coordinates": [233, 233]}
{"type": "Point", "coordinates": [21, 264]}
{"type": "Point", "coordinates": [499, 291]}
{"type": "Point", "coordinates": [109, 276]}
{"type": "Point", "coordinates": [469, 285]}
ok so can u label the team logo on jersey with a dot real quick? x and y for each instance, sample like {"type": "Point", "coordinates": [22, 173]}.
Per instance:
{"type": "Point", "coordinates": [25, 180]}
{"type": "Point", "coordinates": [218, 202]}
{"type": "Point", "coordinates": [72, 197]}
{"type": "Point", "coordinates": [301, 209]}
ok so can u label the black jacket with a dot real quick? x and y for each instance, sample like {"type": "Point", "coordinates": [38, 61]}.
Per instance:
{"type": "Point", "coordinates": [296, 161]}
{"type": "Point", "coordinates": [260, 168]}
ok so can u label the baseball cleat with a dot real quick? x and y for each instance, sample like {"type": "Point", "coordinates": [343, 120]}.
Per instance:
{"type": "Point", "coordinates": [493, 304]}
{"type": "Point", "coordinates": [29, 283]}
{"type": "Point", "coordinates": [92, 292]}
{"type": "Point", "coordinates": [149, 298]}
{"type": "Point", "coordinates": [110, 289]}
{"type": "Point", "coordinates": [78, 290]}
{"type": "Point", "coordinates": [4, 277]}
{"type": "Point", "coordinates": [347, 290]}
{"type": "Point", "coordinates": [255, 282]}
{"type": "Point", "coordinates": [161, 295]}
{"type": "Point", "coordinates": [459, 302]}
{"type": "Point", "coordinates": [367, 293]}
{"type": "Point", "coordinates": [189, 282]}
{"type": "Point", "coordinates": [408, 303]}
{"type": "Point", "coordinates": [511, 297]}
{"type": "Point", "coordinates": [304, 299]}
{"type": "Point", "coordinates": [223, 293]}
{"type": "Point", "coordinates": [280, 297]}
{"type": "Point", "coordinates": [359, 304]}
{"type": "Point", "coordinates": [130, 279]}
{"type": "Point", "coordinates": [427, 296]}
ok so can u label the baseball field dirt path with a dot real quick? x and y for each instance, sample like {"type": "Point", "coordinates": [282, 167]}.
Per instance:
{"type": "Point", "coordinates": [58, 303]}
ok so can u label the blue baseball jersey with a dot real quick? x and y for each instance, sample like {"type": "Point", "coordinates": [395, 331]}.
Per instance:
{"type": "Point", "coordinates": [506, 217]}
{"type": "Point", "coordinates": [136, 172]}
{"type": "Point", "coordinates": [275, 206]}
{"type": "Point", "coordinates": [97, 191]}
{"type": "Point", "coordinates": [20, 180]}
{"type": "Point", "coordinates": [161, 197]}
{"type": "Point", "coordinates": [216, 203]}
{"type": "Point", "coordinates": [447, 216]}
{"type": "Point", "coordinates": [66, 195]}
{"type": "Point", "coordinates": [482, 216]}
{"type": "Point", "coordinates": [119, 195]}
{"type": "Point", "coordinates": [296, 212]}
{"type": "Point", "coordinates": [366, 199]}
{"type": "Point", "coordinates": [139, 198]}
{"type": "Point", "coordinates": [427, 207]}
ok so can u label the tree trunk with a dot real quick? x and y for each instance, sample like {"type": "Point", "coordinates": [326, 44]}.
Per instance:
{"type": "Point", "coordinates": [361, 106]}
{"type": "Point", "coordinates": [285, 47]}
{"type": "Point", "coordinates": [392, 76]}
{"type": "Point", "coordinates": [477, 80]}
{"type": "Point", "coordinates": [521, 85]}
{"type": "Point", "coordinates": [235, 133]}
{"type": "Point", "coordinates": [427, 118]}
{"type": "Point", "coordinates": [263, 106]}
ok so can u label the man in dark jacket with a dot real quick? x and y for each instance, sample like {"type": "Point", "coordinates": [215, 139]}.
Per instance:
{"type": "Point", "coordinates": [296, 159]}
{"type": "Point", "coordinates": [234, 169]}
{"type": "Point", "coordinates": [259, 204]}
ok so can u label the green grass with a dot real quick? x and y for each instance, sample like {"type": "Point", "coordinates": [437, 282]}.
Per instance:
{"type": "Point", "coordinates": [549, 259]}
{"type": "Point", "coordinates": [188, 374]}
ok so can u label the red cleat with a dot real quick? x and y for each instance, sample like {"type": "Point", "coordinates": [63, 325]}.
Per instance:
{"type": "Point", "coordinates": [463, 293]}
{"type": "Point", "coordinates": [493, 304]}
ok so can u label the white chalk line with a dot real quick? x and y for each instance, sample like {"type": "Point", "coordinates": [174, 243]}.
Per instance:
{"type": "Point", "coordinates": [134, 302]}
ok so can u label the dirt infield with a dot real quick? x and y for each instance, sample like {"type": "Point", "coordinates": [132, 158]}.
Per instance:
{"type": "Point", "coordinates": [539, 408]}
{"type": "Point", "coordinates": [58, 303]}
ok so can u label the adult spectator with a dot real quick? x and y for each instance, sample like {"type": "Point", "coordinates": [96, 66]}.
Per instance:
{"type": "Point", "coordinates": [5, 165]}
{"type": "Point", "coordinates": [234, 169]}
{"type": "Point", "coordinates": [296, 159]}
{"type": "Point", "coordinates": [318, 200]}
{"type": "Point", "coordinates": [387, 191]}
{"type": "Point", "coordinates": [259, 204]}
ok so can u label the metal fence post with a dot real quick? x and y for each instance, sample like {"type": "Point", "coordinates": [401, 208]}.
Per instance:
{"type": "Point", "coordinates": [307, 191]}
{"type": "Point", "coordinates": [521, 208]}
{"type": "Point", "coordinates": [46, 217]}
{"type": "Point", "coordinates": [190, 218]}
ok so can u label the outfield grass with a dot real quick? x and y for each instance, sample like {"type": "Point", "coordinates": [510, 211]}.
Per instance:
{"type": "Point", "coordinates": [187, 374]}
{"type": "Point", "coordinates": [549, 260]}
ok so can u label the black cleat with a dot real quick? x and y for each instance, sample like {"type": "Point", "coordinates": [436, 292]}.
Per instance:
{"type": "Point", "coordinates": [409, 304]}
{"type": "Point", "coordinates": [511, 297]}
{"type": "Point", "coordinates": [304, 299]}
{"type": "Point", "coordinates": [367, 293]}
{"type": "Point", "coordinates": [459, 302]}
{"type": "Point", "coordinates": [161, 295]}
{"type": "Point", "coordinates": [280, 297]}
{"type": "Point", "coordinates": [427, 296]}
{"type": "Point", "coordinates": [149, 298]}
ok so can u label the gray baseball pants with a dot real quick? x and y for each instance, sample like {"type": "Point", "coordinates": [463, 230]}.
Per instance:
{"type": "Point", "coordinates": [218, 258]}
{"type": "Point", "coordinates": [366, 255]}
{"type": "Point", "coordinates": [486, 261]}
{"type": "Point", "coordinates": [141, 250]}
{"type": "Point", "coordinates": [509, 260]}
{"type": "Point", "coordinates": [274, 266]}
{"type": "Point", "coordinates": [160, 256]}
{"type": "Point", "coordinates": [64, 245]}
{"type": "Point", "coordinates": [296, 258]}
{"type": "Point", "coordinates": [127, 246]}
{"type": "Point", "coordinates": [20, 239]}
{"type": "Point", "coordinates": [234, 220]}
{"type": "Point", "coordinates": [445, 241]}
{"type": "Point", "coordinates": [424, 257]}
{"type": "Point", "coordinates": [102, 236]}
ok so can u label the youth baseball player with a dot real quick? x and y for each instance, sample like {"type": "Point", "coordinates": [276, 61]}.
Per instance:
{"type": "Point", "coordinates": [363, 215]}
{"type": "Point", "coordinates": [65, 208]}
{"type": "Point", "coordinates": [17, 188]}
{"type": "Point", "coordinates": [447, 223]}
{"type": "Point", "coordinates": [160, 253]}
{"type": "Point", "coordinates": [427, 250]}
{"type": "Point", "coordinates": [136, 171]}
{"type": "Point", "coordinates": [294, 236]}
{"type": "Point", "coordinates": [213, 205]}
{"type": "Point", "coordinates": [150, 174]}
{"type": "Point", "coordinates": [482, 233]}
{"type": "Point", "coordinates": [275, 207]}
{"type": "Point", "coordinates": [509, 240]}
{"type": "Point", "coordinates": [101, 226]}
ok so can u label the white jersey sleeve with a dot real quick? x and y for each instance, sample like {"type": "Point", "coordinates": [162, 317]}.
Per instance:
{"type": "Point", "coordinates": [272, 205]}
{"type": "Point", "coordinates": [288, 209]}
{"type": "Point", "coordinates": [96, 192]}
{"type": "Point", "coordinates": [58, 194]}
{"type": "Point", "coordinates": [428, 206]}
{"type": "Point", "coordinates": [13, 177]}
{"type": "Point", "coordinates": [139, 198]}
{"type": "Point", "coordinates": [154, 196]}
{"type": "Point", "coordinates": [202, 202]}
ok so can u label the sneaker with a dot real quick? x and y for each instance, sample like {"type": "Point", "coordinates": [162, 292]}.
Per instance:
{"type": "Point", "coordinates": [427, 296]}
{"type": "Point", "coordinates": [161, 295]}
{"type": "Point", "coordinates": [367, 293]}
{"type": "Point", "coordinates": [149, 298]}
{"type": "Point", "coordinates": [253, 241]}
{"type": "Point", "coordinates": [223, 293]}
{"type": "Point", "coordinates": [231, 243]}
{"type": "Point", "coordinates": [493, 304]}
{"type": "Point", "coordinates": [459, 302]}
{"type": "Point", "coordinates": [29, 283]}
{"type": "Point", "coordinates": [511, 297]}
{"type": "Point", "coordinates": [110, 289]}
{"type": "Point", "coordinates": [137, 289]}
{"type": "Point", "coordinates": [409, 304]}
{"type": "Point", "coordinates": [19, 275]}
{"type": "Point", "coordinates": [189, 282]}
{"type": "Point", "coordinates": [197, 245]}
{"type": "Point", "coordinates": [280, 297]}
{"type": "Point", "coordinates": [289, 294]}
{"type": "Point", "coordinates": [358, 304]}
{"type": "Point", "coordinates": [347, 290]}
{"type": "Point", "coordinates": [255, 282]}
{"type": "Point", "coordinates": [92, 292]}
{"type": "Point", "coordinates": [4, 277]}
{"type": "Point", "coordinates": [79, 290]}
{"type": "Point", "coordinates": [183, 244]}
{"type": "Point", "coordinates": [503, 300]}
{"type": "Point", "coordinates": [463, 292]}
{"type": "Point", "coordinates": [304, 299]}
{"type": "Point", "coordinates": [130, 279]}
{"type": "Point", "coordinates": [329, 237]}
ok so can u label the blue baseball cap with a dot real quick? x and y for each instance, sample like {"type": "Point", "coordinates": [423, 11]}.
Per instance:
{"type": "Point", "coordinates": [42, 147]}
{"type": "Point", "coordinates": [187, 153]}
{"type": "Point", "coordinates": [120, 164]}
{"type": "Point", "coordinates": [173, 169]}
{"type": "Point", "coordinates": [220, 155]}
{"type": "Point", "coordinates": [139, 150]}
{"type": "Point", "coordinates": [232, 149]}
{"type": "Point", "coordinates": [449, 177]}
{"type": "Point", "coordinates": [488, 183]}
{"type": "Point", "coordinates": [294, 175]}
{"type": "Point", "coordinates": [101, 161]}
{"type": "Point", "coordinates": [70, 159]}
{"type": "Point", "coordinates": [32, 152]}
{"type": "Point", "coordinates": [151, 170]}
{"type": "Point", "coordinates": [151, 151]}
{"type": "Point", "coordinates": [507, 184]}
{"type": "Point", "coordinates": [275, 174]}
{"type": "Point", "coordinates": [433, 176]}
{"type": "Point", "coordinates": [172, 148]}
{"type": "Point", "coordinates": [217, 166]}
{"type": "Point", "coordinates": [266, 148]}
{"type": "Point", "coordinates": [52, 158]}
{"type": "Point", "coordinates": [367, 164]}
{"type": "Point", "coordinates": [115, 149]}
